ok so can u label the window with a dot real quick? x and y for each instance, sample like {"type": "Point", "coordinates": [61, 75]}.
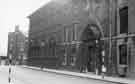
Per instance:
{"type": "Point", "coordinates": [66, 34]}
{"type": "Point", "coordinates": [21, 49]}
{"type": "Point", "coordinates": [123, 19]}
{"type": "Point", "coordinates": [123, 54]}
{"type": "Point", "coordinates": [10, 56]}
{"type": "Point", "coordinates": [70, 34]}
{"type": "Point", "coordinates": [69, 30]}
{"type": "Point", "coordinates": [65, 58]}
{"type": "Point", "coordinates": [74, 32]}
{"type": "Point", "coordinates": [73, 55]}
{"type": "Point", "coordinates": [133, 41]}
{"type": "Point", "coordinates": [73, 60]}
{"type": "Point", "coordinates": [11, 47]}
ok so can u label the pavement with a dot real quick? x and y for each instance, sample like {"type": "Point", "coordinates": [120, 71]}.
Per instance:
{"type": "Point", "coordinates": [31, 75]}
{"type": "Point", "coordinates": [4, 76]}
{"type": "Point", "coordinates": [116, 80]}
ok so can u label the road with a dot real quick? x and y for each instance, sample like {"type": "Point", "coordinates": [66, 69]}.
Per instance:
{"type": "Point", "coordinates": [20, 75]}
{"type": "Point", "coordinates": [3, 75]}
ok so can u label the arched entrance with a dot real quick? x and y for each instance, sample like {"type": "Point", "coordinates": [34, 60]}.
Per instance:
{"type": "Point", "coordinates": [91, 59]}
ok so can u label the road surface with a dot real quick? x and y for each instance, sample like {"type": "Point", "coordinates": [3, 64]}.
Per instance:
{"type": "Point", "coordinates": [20, 75]}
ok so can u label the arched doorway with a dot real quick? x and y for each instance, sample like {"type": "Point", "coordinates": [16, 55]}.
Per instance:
{"type": "Point", "coordinates": [91, 59]}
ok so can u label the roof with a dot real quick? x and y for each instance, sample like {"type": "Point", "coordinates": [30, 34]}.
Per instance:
{"type": "Point", "coordinates": [38, 9]}
{"type": "Point", "coordinates": [52, 3]}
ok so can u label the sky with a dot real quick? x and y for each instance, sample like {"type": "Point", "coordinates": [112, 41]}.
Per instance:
{"type": "Point", "coordinates": [15, 12]}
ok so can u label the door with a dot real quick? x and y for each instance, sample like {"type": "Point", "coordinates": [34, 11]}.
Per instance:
{"type": "Point", "coordinates": [91, 65]}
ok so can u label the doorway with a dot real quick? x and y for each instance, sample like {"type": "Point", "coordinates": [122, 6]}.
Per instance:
{"type": "Point", "coordinates": [92, 62]}
{"type": "Point", "coordinates": [90, 53]}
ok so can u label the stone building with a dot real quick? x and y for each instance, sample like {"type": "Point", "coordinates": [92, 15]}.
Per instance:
{"type": "Point", "coordinates": [17, 46]}
{"type": "Point", "coordinates": [92, 35]}
{"type": "Point", "coordinates": [131, 41]}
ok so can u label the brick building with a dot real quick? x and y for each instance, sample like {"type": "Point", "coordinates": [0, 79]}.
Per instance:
{"type": "Point", "coordinates": [17, 46]}
{"type": "Point", "coordinates": [76, 34]}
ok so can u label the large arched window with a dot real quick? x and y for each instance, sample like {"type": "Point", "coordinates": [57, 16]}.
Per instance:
{"type": "Point", "coordinates": [91, 33]}
{"type": "Point", "coordinates": [95, 31]}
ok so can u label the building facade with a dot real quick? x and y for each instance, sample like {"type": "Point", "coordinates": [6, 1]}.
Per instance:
{"type": "Point", "coordinates": [131, 41]}
{"type": "Point", "coordinates": [17, 46]}
{"type": "Point", "coordinates": [86, 35]}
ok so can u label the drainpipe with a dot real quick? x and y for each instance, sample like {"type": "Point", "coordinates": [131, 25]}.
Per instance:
{"type": "Point", "coordinates": [110, 30]}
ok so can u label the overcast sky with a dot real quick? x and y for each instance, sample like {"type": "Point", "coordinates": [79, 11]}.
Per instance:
{"type": "Point", "coordinates": [15, 12]}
